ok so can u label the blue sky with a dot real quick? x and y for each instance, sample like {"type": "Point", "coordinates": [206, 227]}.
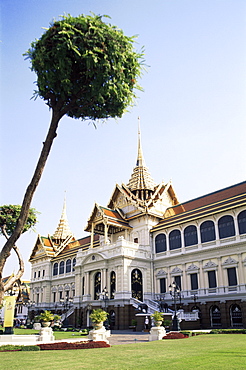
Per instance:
{"type": "Point", "coordinates": [192, 110]}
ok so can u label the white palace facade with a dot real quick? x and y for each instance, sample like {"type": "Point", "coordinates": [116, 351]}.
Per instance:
{"type": "Point", "coordinates": [137, 245]}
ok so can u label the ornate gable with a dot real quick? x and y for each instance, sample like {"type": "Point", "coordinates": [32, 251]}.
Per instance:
{"type": "Point", "coordinates": [44, 247]}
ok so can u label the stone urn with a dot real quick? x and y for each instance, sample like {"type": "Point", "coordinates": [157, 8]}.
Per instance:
{"type": "Point", "coordinates": [98, 325]}
{"type": "Point", "coordinates": [158, 323]}
{"type": "Point", "coordinates": [46, 324]}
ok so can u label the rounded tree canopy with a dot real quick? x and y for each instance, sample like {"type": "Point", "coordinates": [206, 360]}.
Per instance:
{"type": "Point", "coordinates": [9, 215]}
{"type": "Point", "coordinates": [86, 68]}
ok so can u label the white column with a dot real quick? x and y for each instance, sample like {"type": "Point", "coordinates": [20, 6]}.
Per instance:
{"type": "Point", "coordinates": [87, 283]}
{"type": "Point", "coordinates": [240, 270]}
{"type": "Point", "coordinates": [220, 274]}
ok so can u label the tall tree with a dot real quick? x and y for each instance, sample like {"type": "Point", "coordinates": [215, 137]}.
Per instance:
{"type": "Point", "coordinates": [86, 69]}
{"type": "Point", "coordinates": [8, 218]}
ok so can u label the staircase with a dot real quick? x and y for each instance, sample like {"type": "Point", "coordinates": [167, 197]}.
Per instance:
{"type": "Point", "coordinates": [153, 306]}
{"type": "Point", "coordinates": [67, 314]}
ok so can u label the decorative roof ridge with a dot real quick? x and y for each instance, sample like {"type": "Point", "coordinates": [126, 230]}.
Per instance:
{"type": "Point", "coordinates": [212, 193]}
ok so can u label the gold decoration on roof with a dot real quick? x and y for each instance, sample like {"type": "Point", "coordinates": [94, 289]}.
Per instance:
{"type": "Point", "coordinates": [63, 229]}
{"type": "Point", "coordinates": [141, 182]}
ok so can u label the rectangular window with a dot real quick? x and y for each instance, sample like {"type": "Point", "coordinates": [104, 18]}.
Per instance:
{"type": "Point", "coordinates": [193, 281]}
{"type": "Point", "coordinates": [37, 298]}
{"type": "Point", "coordinates": [35, 274]}
{"type": "Point", "coordinates": [162, 285]}
{"type": "Point", "coordinates": [232, 276]}
{"type": "Point", "coordinates": [83, 286]}
{"type": "Point", "coordinates": [177, 280]}
{"type": "Point", "coordinates": [212, 283]}
{"type": "Point", "coordinates": [43, 272]}
{"type": "Point", "coordinates": [60, 295]}
{"type": "Point", "coordinates": [54, 296]}
{"type": "Point", "coordinates": [39, 274]}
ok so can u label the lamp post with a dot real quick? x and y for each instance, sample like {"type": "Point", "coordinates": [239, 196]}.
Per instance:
{"type": "Point", "coordinates": [174, 290]}
{"type": "Point", "coordinates": [66, 303]}
{"type": "Point", "coordinates": [104, 296]}
{"type": "Point", "coordinates": [163, 306]}
{"type": "Point", "coordinates": [28, 304]}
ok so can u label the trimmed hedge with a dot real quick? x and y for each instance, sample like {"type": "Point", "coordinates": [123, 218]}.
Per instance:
{"type": "Point", "coordinates": [73, 345]}
{"type": "Point", "coordinates": [228, 331]}
{"type": "Point", "coordinates": [175, 335]}
{"type": "Point", "coordinates": [30, 348]}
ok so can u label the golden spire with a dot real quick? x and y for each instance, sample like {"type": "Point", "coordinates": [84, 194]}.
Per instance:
{"type": "Point", "coordinates": [63, 229]}
{"type": "Point", "coordinates": [140, 158]}
{"type": "Point", "coordinates": [141, 183]}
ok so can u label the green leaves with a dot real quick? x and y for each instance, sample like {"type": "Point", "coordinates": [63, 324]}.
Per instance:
{"type": "Point", "coordinates": [86, 68]}
{"type": "Point", "coordinates": [9, 215]}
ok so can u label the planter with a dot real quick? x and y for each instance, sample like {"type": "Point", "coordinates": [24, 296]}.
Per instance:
{"type": "Point", "coordinates": [158, 323]}
{"type": "Point", "coordinates": [46, 324]}
{"type": "Point", "coordinates": [98, 325]}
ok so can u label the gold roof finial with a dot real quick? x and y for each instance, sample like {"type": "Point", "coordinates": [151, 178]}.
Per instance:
{"type": "Point", "coordinates": [140, 179]}
{"type": "Point", "coordinates": [63, 229]}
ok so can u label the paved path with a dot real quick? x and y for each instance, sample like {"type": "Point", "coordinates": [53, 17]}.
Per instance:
{"type": "Point", "coordinates": [125, 337]}
{"type": "Point", "coordinates": [117, 337]}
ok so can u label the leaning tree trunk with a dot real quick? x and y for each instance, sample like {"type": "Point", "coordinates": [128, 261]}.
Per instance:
{"type": "Point", "coordinates": [5, 252]}
{"type": "Point", "coordinates": [20, 272]}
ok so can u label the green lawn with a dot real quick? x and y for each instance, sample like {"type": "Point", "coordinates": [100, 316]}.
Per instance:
{"type": "Point", "coordinates": [211, 351]}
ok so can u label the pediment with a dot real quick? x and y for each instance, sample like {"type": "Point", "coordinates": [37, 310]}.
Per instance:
{"type": "Point", "coordinates": [40, 249]}
{"type": "Point", "coordinates": [161, 273]}
{"type": "Point", "coordinates": [210, 265]}
{"type": "Point", "coordinates": [93, 257]}
{"type": "Point", "coordinates": [192, 268]}
{"type": "Point", "coordinates": [176, 270]}
{"type": "Point", "coordinates": [229, 261]}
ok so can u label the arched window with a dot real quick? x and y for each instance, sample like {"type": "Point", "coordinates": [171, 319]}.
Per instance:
{"type": "Point", "coordinates": [226, 227]}
{"type": "Point", "coordinates": [137, 284]}
{"type": "Point", "coordinates": [207, 231]}
{"type": "Point", "coordinates": [236, 316]}
{"type": "Point", "coordinates": [175, 239]}
{"type": "Point", "coordinates": [160, 243]}
{"type": "Point", "coordinates": [241, 219]}
{"type": "Point", "coordinates": [215, 317]}
{"type": "Point", "coordinates": [112, 284]}
{"type": "Point", "coordinates": [74, 262]}
{"type": "Point", "coordinates": [97, 285]}
{"type": "Point", "coordinates": [190, 235]}
{"type": "Point", "coordinates": [55, 269]}
{"type": "Point", "coordinates": [112, 319]}
{"type": "Point", "coordinates": [61, 268]}
{"type": "Point", "coordinates": [68, 265]}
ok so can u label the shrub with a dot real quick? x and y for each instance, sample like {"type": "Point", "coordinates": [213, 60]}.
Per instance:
{"type": "Point", "coordinates": [98, 315]}
{"type": "Point", "coordinates": [175, 335]}
{"type": "Point", "coordinates": [187, 333]}
{"type": "Point", "coordinates": [73, 345]}
{"type": "Point", "coordinates": [30, 348]}
{"type": "Point", "coordinates": [228, 331]}
{"type": "Point", "coordinates": [10, 347]}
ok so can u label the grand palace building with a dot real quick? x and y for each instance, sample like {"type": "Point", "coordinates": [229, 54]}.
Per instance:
{"type": "Point", "coordinates": [139, 244]}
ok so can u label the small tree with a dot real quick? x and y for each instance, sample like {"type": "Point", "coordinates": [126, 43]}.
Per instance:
{"type": "Point", "coordinates": [85, 69]}
{"type": "Point", "coordinates": [8, 218]}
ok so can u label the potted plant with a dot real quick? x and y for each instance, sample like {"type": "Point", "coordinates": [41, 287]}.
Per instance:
{"type": "Point", "coordinates": [98, 316]}
{"type": "Point", "coordinates": [46, 317]}
{"type": "Point", "coordinates": [157, 317]}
